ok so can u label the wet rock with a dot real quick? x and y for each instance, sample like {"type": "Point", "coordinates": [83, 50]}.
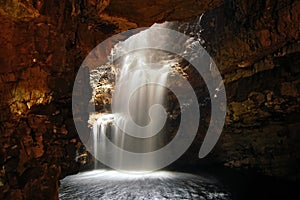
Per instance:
{"type": "Point", "coordinates": [44, 42]}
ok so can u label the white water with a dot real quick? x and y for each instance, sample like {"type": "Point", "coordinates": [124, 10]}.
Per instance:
{"type": "Point", "coordinates": [139, 94]}
{"type": "Point", "coordinates": [100, 129]}
{"type": "Point", "coordinates": [102, 184]}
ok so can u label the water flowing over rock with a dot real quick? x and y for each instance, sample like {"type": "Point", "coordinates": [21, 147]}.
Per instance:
{"type": "Point", "coordinates": [43, 43]}
{"type": "Point", "coordinates": [137, 103]}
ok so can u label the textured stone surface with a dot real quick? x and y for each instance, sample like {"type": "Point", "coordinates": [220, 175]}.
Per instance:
{"type": "Point", "coordinates": [255, 44]}
{"type": "Point", "coordinates": [242, 33]}
{"type": "Point", "coordinates": [42, 46]}
{"type": "Point", "coordinates": [262, 83]}
{"type": "Point", "coordinates": [144, 13]}
{"type": "Point", "coordinates": [37, 75]}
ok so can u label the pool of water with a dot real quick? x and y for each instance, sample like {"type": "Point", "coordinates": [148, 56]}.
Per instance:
{"type": "Point", "coordinates": [108, 184]}
{"type": "Point", "coordinates": [190, 183]}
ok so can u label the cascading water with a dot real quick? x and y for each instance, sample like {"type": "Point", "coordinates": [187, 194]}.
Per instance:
{"type": "Point", "coordinates": [137, 99]}
{"type": "Point", "coordinates": [138, 118]}
{"type": "Point", "coordinates": [100, 129]}
{"type": "Point", "coordinates": [137, 125]}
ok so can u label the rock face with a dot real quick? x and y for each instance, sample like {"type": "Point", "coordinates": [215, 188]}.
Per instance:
{"type": "Point", "coordinates": [255, 44]}
{"type": "Point", "coordinates": [144, 13]}
{"type": "Point", "coordinates": [257, 50]}
{"type": "Point", "coordinates": [262, 119]}
{"type": "Point", "coordinates": [43, 44]}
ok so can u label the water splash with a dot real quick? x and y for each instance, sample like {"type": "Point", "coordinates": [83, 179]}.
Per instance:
{"type": "Point", "coordinates": [103, 184]}
{"type": "Point", "coordinates": [138, 114]}
{"type": "Point", "coordinates": [100, 129]}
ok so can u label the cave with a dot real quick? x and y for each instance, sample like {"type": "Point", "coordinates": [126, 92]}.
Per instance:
{"type": "Point", "coordinates": [220, 78]}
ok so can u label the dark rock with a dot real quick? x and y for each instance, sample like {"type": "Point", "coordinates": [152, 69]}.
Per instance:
{"type": "Point", "coordinates": [43, 43]}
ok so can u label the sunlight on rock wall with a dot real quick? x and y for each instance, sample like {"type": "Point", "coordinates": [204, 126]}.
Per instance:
{"type": "Point", "coordinates": [18, 9]}
{"type": "Point", "coordinates": [31, 90]}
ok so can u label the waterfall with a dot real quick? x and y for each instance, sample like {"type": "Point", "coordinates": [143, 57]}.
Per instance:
{"type": "Point", "coordinates": [146, 66]}
{"type": "Point", "coordinates": [101, 127]}
{"type": "Point", "coordinates": [138, 117]}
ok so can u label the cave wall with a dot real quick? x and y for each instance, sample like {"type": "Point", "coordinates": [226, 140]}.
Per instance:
{"type": "Point", "coordinates": [262, 122]}
{"type": "Point", "coordinates": [38, 140]}
{"type": "Point", "coordinates": [44, 42]}
{"type": "Point", "coordinates": [256, 47]}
